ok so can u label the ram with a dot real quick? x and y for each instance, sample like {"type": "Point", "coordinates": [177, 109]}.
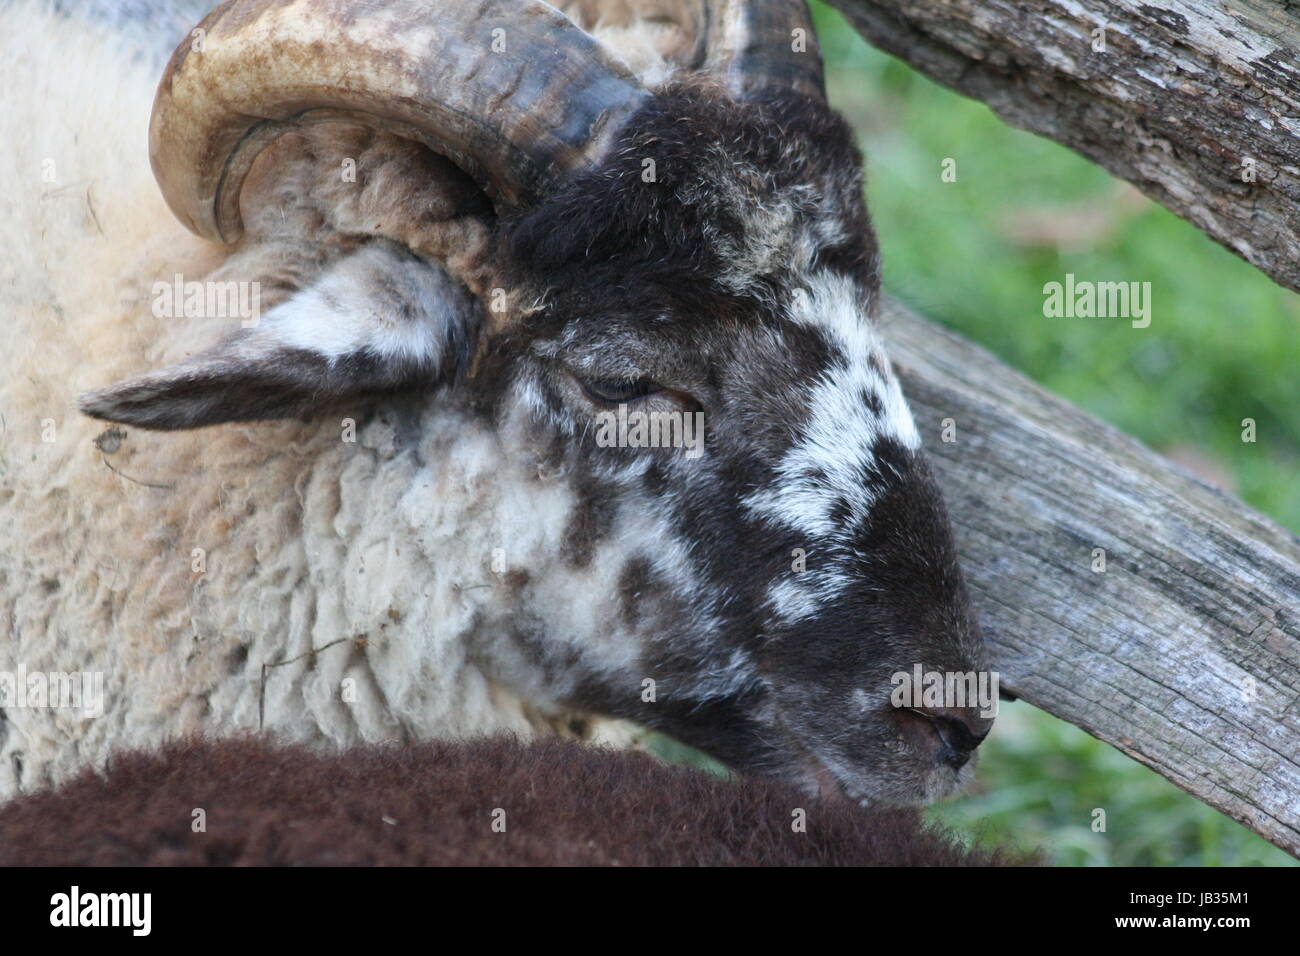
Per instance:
{"type": "Point", "coordinates": [387, 498]}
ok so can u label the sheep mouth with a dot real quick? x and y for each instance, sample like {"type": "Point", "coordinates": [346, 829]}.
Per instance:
{"type": "Point", "coordinates": [830, 787]}
{"type": "Point", "coordinates": [823, 776]}
{"type": "Point", "coordinates": [819, 777]}
{"type": "Point", "coordinates": [823, 779]}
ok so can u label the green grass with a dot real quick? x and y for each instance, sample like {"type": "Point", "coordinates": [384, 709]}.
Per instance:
{"type": "Point", "coordinates": [1221, 347]}
{"type": "Point", "coordinates": [1041, 780]}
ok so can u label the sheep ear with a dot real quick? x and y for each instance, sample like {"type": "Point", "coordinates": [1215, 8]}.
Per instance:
{"type": "Point", "coordinates": [379, 321]}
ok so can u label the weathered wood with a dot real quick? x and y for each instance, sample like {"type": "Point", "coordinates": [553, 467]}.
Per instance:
{"type": "Point", "coordinates": [1185, 92]}
{"type": "Point", "coordinates": [1185, 651]}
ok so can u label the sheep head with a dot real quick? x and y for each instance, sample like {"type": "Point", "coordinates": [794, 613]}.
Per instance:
{"type": "Point", "coordinates": [691, 262]}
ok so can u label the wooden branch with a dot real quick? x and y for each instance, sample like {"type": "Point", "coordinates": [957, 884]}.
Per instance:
{"type": "Point", "coordinates": [1185, 651]}
{"type": "Point", "coordinates": [1185, 93]}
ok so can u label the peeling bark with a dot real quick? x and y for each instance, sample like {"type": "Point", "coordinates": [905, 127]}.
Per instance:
{"type": "Point", "coordinates": [1185, 93]}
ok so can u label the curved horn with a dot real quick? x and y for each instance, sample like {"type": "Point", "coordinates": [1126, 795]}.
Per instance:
{"type": "Point", "coordinates": [510, 90]}
{"type": "Point", "coordinates": [764, 44]}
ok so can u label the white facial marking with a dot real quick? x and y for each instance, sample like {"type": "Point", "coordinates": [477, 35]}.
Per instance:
{"type": "Point", "coordinates": [825, 466]}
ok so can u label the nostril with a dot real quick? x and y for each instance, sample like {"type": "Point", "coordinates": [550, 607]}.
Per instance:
{"type": "Point", "coordinates": [959, 732]}
{"type": "Point", "coordinates": [955, 734]}
{"type": "Point", "coordinates": [955, 758]}
{"type": "Point", "coordinates": [958, 741]}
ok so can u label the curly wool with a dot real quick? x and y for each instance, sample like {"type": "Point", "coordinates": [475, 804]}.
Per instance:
{"type": "Point", "coordinates": [442, 803]}
{"type": "Point", "coordinates": [134, 558]}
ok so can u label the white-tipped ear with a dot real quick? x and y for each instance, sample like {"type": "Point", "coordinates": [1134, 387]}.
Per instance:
{"type": "Point", "coordinates": [379, 320]}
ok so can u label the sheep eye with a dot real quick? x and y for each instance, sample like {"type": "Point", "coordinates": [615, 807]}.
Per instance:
{"type": "Point", "coordinates": [616, 391]}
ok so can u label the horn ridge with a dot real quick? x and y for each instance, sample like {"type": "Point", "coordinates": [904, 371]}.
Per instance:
{"type": "Point", "coordinates": [755, 45]}
{"type": "Point", "coordinates": [510, 90]}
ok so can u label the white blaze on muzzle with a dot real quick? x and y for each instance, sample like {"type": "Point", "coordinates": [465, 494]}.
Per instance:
{"type": "Point", "coordinates": [824, 469]}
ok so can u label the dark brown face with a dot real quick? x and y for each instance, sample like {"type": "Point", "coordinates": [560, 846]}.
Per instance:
{"type": "Point", "coordinates": [904, 605]}
{"type": "Point", "coordinates": [782, 562]}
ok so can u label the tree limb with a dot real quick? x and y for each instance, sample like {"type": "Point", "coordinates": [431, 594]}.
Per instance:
{"type": "Point", "coordinates": [1185, 651]}
{"type": "Point", "coordinates": [1184, 94]}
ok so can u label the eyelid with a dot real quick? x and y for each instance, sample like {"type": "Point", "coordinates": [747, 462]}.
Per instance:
{"type": "Point", "coordinates": [614, 391]}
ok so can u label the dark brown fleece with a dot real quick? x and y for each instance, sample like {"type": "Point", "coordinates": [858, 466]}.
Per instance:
{"type": "Point", "coordinates": [435, 803]}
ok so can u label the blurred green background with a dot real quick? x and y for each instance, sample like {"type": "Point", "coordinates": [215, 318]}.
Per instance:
{"type": "Point", "coordinates": [974, 254]}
